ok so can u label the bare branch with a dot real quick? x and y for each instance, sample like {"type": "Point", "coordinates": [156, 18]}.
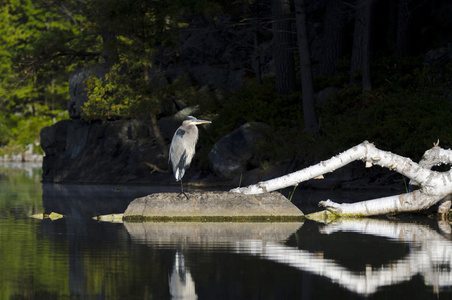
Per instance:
{"type": "Point", "coordinates": [155, 168]}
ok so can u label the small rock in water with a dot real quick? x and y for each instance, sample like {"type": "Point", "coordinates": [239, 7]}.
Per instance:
{"type": "Point", "coordinates": [52, 216]}
{"type": "Point", "coordinates": [113, 218]}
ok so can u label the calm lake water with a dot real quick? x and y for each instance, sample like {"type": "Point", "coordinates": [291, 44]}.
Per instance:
{"type": "Point", "coordinates": [79, 258]}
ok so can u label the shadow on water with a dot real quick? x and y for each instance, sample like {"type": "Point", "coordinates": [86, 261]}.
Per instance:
{"type": "Point", "coordinates": [86, 201]}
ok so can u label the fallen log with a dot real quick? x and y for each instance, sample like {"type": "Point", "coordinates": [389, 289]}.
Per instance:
{"type": "Point", "coordinates": [433, 186]}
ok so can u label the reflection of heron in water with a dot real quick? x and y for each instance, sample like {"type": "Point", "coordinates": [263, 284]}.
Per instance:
{"type": "Point", "coordinates": [181, 284]}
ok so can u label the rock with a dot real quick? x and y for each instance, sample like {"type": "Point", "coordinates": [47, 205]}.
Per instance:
{"type": "Point", "coordinates": [114, 152]}
{"type": "Point", "coordinates": [441, 56]}
{"type": "Point", "coordinates": [212, 206]}
{"type": "Point", "coordinates": [17, 157]}
{"type": "Point", "coordinates": [112, 218]}
{"type": "Point", "coordinates": [218, 76]}
{"type": "Point", "coordinates": [325, 95]}
{"type": "Point", "coordinates": [52, 216]}
{"type": "Point", "coordinates": [213, 53]}
{"type": "Point", "coordinates": [169, 125]}
{"type": "Point", "coordinates": [233, 153]}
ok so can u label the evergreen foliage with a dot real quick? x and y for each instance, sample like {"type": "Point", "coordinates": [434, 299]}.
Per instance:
{"type": "Point", "coordinates": [41, 42]}
{"type": "Point", "coordinates": [34, 38]}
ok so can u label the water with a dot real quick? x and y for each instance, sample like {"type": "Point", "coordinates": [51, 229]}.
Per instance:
{"type": "Point", "coordinates": [79, 258]}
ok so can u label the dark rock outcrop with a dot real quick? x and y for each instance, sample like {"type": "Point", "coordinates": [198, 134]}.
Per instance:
{"type": "Point", "coordinates": [77, 93]}
{"type": "Point", "coordinates": [114, 152]}
{"type": "Point", "coordinates": [440, 56]}
{"type": "Point", "coordinates": [213, 54]}
{"type": "Point", "coordinates": [233, 153]}
{"type": "Point", "coordinates": [325, 95]}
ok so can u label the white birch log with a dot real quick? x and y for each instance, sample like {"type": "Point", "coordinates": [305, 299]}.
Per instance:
{"type": "Point", "coordinates": [434, 186]}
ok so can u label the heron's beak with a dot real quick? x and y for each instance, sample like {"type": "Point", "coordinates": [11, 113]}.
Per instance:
{"type": "Point", "coordinates": [201, 122]}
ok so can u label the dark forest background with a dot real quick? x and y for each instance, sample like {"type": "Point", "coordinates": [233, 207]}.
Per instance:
{"type": "Point", "coordinates": [325, 75]}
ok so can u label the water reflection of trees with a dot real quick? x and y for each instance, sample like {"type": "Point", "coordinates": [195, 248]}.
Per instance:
{"type": "Point", "coordinates": [428, 251]}
{"type": "Point", "coordinates": [27, 170]}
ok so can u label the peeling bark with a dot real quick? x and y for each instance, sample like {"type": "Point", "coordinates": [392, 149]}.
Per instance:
{"type": "Point", "coordinates": [433, 186]}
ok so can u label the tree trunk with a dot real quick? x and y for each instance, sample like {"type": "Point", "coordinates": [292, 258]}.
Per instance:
{"type": "Point", "coordinates": [109, 38]}
{"type": "Point", "coordinates": [434, 186]}
{"type": "Point", "coordinates": [158, 134]}
{"type": "Point", "coordinates": [361, 52]}
{"type": "Point", "coordinates": [154, 123]}
{"type": "Point", "coordinates": [307, 85]}
{"type": "Point", "coordinates": [333, 36]}
{"type": "Point", "coordinates": [256, 59]}
{"type": "Point", "coordinates": [402, 28]}
{"type": "Point", "coordinates": [283, 47]}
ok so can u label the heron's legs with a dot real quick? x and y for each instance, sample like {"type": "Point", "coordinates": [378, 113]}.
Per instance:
{"type": "Point", "coordinates": [182, 189]}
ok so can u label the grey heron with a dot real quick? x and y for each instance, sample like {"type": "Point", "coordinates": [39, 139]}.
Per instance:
{"type": "Point", "coordinates": [182, 147]}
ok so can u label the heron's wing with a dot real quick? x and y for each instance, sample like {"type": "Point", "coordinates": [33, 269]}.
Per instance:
{"type": "Point", "coordinates": [176, 148]}
{"type": "Point", "coordinates": [178, 154]}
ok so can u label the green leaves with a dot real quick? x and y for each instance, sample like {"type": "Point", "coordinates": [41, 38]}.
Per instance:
{"type": "Point", "coordinates": [33, 37]}
{"type": "Point", "coordinates": [125, 93]}
{"type": "Point", "coordinates": [18, 131]}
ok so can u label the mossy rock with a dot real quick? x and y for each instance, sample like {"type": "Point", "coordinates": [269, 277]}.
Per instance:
{"type": "Point", "coordinates": [213, 207]}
